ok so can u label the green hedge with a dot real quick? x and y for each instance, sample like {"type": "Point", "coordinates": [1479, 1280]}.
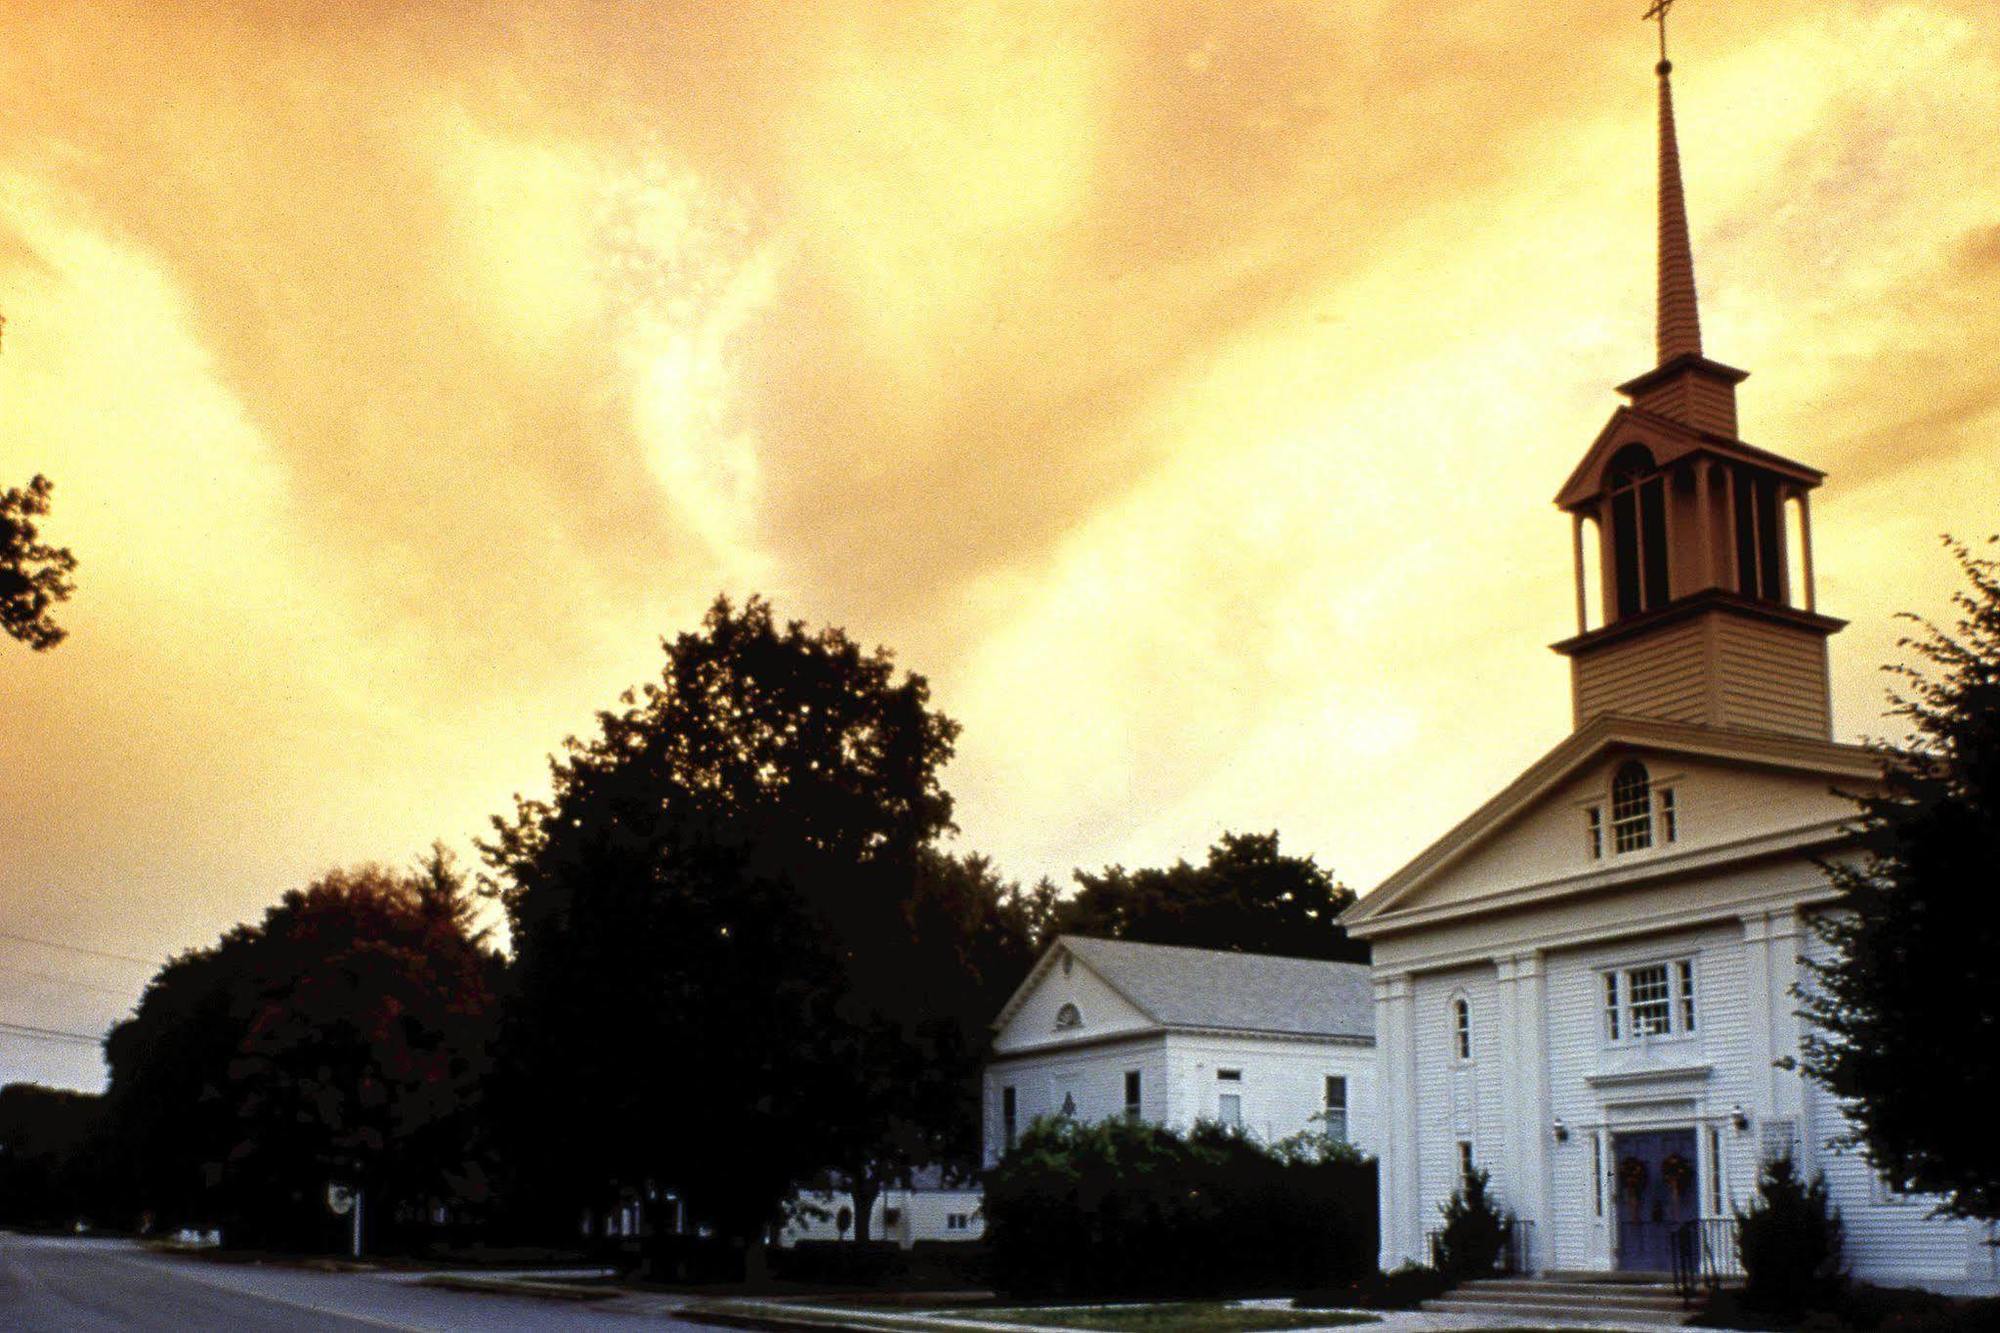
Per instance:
{"type": "Point", "coordinates": [1124, 1208]}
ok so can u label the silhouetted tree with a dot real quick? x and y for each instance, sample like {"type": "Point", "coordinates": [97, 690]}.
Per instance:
{"type": "Point", "coordinates": [718, 984]}
{"type": "Point", "coordinates": [34, 576]}
{"type": "Point", "coordinates": [48, 1175]}
{"type": "Point", "coordinates": [1247, 897]}
{"type": "Point", "coordinates": [342, 1038]}
{"type": "Point", "coordinates": [1906, 992]}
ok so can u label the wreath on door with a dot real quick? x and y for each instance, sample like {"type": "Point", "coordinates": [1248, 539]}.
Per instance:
{"type": "Point", "coordinates": [1632, 1176]}
{"type": "Point", "coordinates": [1678, 1175]}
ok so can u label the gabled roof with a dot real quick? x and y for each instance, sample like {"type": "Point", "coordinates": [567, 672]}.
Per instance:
{"type": "Point", "coordinates": [1669, 441]}
{"type": "Point", "coordinates": [1852, 763]}
{"type": "Point", "coordinates": [1219, 990]}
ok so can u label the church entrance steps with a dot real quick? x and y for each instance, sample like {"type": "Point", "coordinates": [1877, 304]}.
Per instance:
{"type": "Point", "coordinates": [1580, 1298]}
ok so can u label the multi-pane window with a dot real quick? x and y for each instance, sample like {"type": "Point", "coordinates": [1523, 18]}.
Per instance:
{"type": "Point", "coordinates": [1229, 1101]}
{"type": "Point", "coordinates": [1597, 1169]}
{"type": "Point", "coordinates": [1007, 1122]}
{"type": "Point", "coordinates": [1461, 1027]}
{"type": "Point", "coordinates": [1595, 814]}
{"type": "Point", "coordinates": [1336, 1107]}
{"type": "Point", "coordinates": [1714, 1171]}
{"type": "Point", "coordinates": [1131, 1094]}
{"type": "Point", "coordinates": [1631, 808]}
{"type": "Point", "coordinates": [1652, 1000]}
{"type": "Point", "coordinates": [1670, 822]}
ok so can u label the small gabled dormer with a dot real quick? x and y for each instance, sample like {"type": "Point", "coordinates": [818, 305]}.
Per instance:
{"type": "Point", "coordinates": [1692, 549]}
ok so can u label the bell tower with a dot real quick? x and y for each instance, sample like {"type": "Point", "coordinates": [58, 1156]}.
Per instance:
{"type": "Point", "coordinates": [1701, 543]}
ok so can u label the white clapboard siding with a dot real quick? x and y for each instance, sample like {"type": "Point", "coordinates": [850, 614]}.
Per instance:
{"type": "Point", "coordinates": [1283, 1086]}
{"type": "Point", "coordinates": [1658, 675]}
{"type": "Point", "coordinates": [1771, 677]}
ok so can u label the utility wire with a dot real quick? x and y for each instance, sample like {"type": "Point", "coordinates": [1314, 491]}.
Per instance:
{"type": "Point", "coordinates": [51, 1034]}
{"type": "Point", "coordinates": [63, 981]}
{"type": "Point", "coordinates": [77, 948]}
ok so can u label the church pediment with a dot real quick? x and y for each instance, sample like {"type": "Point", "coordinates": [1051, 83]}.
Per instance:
{"type": "Point", "coordinates": [1669, 442]}
{"type": "Point", "coordinates": [1567, 824]}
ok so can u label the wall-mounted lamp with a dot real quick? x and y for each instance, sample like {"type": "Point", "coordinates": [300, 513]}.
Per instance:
{"type": "Point", "coordinates": [1562, 1130]}
{"type": "Point", "coordinates": [1739, 1117]}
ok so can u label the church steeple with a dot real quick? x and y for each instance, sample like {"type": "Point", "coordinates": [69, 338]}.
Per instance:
{"type": "Point", "coordinates": [1678, 331]}
{"type": "Point", "coordinates": [1703, 544]}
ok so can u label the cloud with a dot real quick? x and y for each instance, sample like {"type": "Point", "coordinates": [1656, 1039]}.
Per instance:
{"type": "Point", "coordinates": [1181, 386]}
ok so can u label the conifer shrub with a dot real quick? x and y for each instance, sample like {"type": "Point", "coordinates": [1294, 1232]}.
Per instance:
{"type": "Point", "coordinates": [1789, 1240]}
{"type": "Point", "coordinates": [1475, 1230]}
{"type": "Point", "coordinates": [1124, 1209]}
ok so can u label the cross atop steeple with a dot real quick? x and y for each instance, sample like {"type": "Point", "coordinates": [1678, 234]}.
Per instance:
{"type": "Point", "coordinates": [1658, 13]}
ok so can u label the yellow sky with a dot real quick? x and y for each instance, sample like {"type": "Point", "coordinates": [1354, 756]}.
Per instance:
{"type": "Point", "coordinates": [1182, 387]}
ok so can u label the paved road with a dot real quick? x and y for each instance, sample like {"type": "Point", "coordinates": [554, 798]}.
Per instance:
{"type": "Point", "coordinates": [60, 1283]}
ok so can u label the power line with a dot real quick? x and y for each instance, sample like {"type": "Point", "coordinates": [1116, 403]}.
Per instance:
{"type": "Point", "coordinates": [77, 948]}
{"type": "Point", "coordinates": [51, 1034]}
{"type": "Point", "coordinates": [63, 981]}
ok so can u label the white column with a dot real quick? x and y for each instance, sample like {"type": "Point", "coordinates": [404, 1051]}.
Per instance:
{"type": "Point", "coordinates": [1395, 1050]}
{"type": "Point", "coordinates": [1576, 545]}
{"type": "Point", "coordinates": [1805, 547]}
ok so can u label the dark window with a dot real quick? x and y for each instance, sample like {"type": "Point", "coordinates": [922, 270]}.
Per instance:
{"type": "Point", "coordinates": [1596, 815]}
{"type": "Point", "coordinates": [1229, 1075]}
{"type": "Point", "coordinates": [1131, 1094]}
{"type": "Point", "coordinates": [1336, 1108]}
{"type": "Point", "coordinates": [1461, 1023]}
{"type": "Point", "coordinates": [1069, 1016]}
{"type": "Point", "coordinates": [1760, 538]}
{"type": "Point", "coordinates": [1670, 819]}
{"type": "Point", "coordinates": [1638, 531]}
{"type": "Point", "coordinates": [1007, 1116]}
{"type": "Point", "coordinates": [1465, 1166]}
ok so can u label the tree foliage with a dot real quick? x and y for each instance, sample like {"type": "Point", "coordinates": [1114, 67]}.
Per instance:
{"type": "Point", "coordinates": [49, 1171]}
{"type": "Point", "coordinates": [1248, 897]}
{"type": "Point", "coordinates": [1128, 1208]}
{"type": "Point", "coordinates": [1789, 1239]}
{"type": "Point", "coordinates": [1905, 993]}
{"type": "Point", "coordinates": [342, 1038]}
{"type": "Point", "coordinates": [1474, 1234]}
{"type": "Point", "coordinates": [34, 576]}
{"type": "Point", "coordinates": [726, 979]}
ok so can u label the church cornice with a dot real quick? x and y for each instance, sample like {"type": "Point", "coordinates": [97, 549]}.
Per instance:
{"type": "Point", "coordinates": [1671, 442]}
{"type": "Point", "coordinates": [1694, 604]}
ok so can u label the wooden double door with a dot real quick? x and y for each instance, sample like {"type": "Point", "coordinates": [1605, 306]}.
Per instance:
{"type": "Point", "coordinates": [1656, 1183]}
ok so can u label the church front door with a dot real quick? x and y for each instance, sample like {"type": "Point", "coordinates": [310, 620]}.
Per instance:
{"type": "Point", "coordinates": [1656, 1191]}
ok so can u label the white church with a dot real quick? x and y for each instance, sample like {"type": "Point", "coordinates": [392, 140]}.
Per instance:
{"type": "Point", "coordinates": [1583, 987]}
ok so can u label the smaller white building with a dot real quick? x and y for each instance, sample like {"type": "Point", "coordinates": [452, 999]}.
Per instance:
{"type": "Point", "coordinates": [932, 1208]}
{"type": "Point", "coordinates": [1105, 1028]}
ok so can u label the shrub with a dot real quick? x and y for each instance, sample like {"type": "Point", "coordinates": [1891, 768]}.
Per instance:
{"type": "Point", "coordinates": [1475, 1231]}
{"type": "Point", "coordinates": [1125, 1208]}
{"type": "Point", "coordinates": [1790, 1241]}
{"type": "Point", "coordinates": [1404, 1289]}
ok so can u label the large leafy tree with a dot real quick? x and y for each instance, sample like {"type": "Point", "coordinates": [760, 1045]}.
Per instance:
{"type": "Point", "coordinates": [1903, 1011]}
{"type": "Point", "coordinates": [343, 1038]}
{"type": "Point", "coordinates": [1247, 897]}
{"type": "Point", "coordinates": [34, 576]}
{"type": "Point", "coordinates": [719, 986]}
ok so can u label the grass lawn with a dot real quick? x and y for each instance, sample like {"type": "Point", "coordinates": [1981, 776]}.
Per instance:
{"type": "Point", "coordinates": [1195, 1316]}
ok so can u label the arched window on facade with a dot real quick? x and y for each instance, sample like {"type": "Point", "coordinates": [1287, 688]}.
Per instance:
{"type": "Point", "coordinates": [1638, 495]}
{"type": "Point", "coordinates": [1631, 807]}
{"type": "Point", "coordinates": [1461, 1027]}
{"type": "Point", "coordinates": [1069, 1016]}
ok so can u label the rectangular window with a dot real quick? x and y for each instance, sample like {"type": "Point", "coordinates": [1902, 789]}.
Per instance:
{"type": "Point", "coordinates": [1649, 1005]}
{"type": "Point", "coordinates": [1229, 1109]}
{"type": "Point", "coordinates": [1131, 1094]}
{"type": "Point", "coordinates": [1336, 1108]}
{"type": "Point", "coordinates": [1461, 1021]}
{"type": "Point", "coordinates": [1631, 819]}
{"type": "Point", "coordinates": [1597, 1169]}
{"type": "Point", "coordinates": [1229, 1075]}
{"type": "Point", "coordinates": [1464, 1157]}
{"type": "Point", "coordinates": [1007, 1117]}
{"type": "Point", "coordinates": [1596, 844]}
{"type": "Point", "coordinates": [1651, 1000]}
{"type": "Point", "coordinates": [1714, 1171]}
{"type": "Point", "coordinates": [1670, 824]}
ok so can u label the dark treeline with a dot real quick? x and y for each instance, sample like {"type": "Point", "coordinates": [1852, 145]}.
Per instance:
{"type": "Point", "coordinates": [742, 963]}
